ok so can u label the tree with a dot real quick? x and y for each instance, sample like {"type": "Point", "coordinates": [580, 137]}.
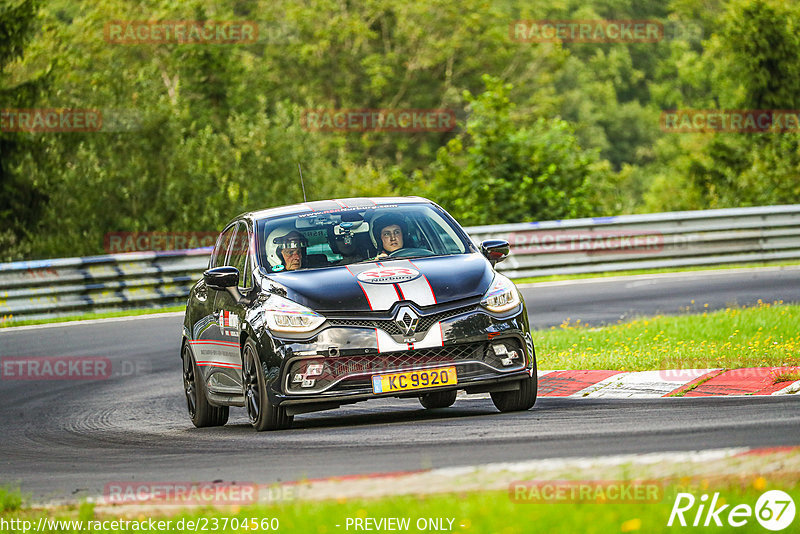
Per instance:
{"type": "Point", "coordinates": [21, 198]}
{"type": "Point", "coordinates": [751, 64]}
{"type": "Point", "coordinates": [506, 170]}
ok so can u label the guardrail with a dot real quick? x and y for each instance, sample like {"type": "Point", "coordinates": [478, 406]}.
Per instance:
{"type": "Point", "coordinates": [59, 287]}
{"type": "Point", "coordinates": [657, 240]}
{"type": "Point", "coordinates": [68, 286]}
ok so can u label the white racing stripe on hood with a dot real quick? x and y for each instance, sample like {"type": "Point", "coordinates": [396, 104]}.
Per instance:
{"type": "Point", "coordinates": [384, 296]}
{"type": "Point", "coordinates": [418, 290]}
{"type": "Point", "coordinates": [379, 296]}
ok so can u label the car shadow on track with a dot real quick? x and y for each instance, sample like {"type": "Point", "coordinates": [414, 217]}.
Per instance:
{"type": "Point", "coordinates": [407, 413]}
{"type": "Point", "coordinates": [353, 417]}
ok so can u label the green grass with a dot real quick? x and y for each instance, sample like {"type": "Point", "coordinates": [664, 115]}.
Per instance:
{"type": "Point", "coordinates": [9, 321]}
{"type": "Point", "coordinates": [632, 272]}
{"type": "Point", "coordinates": [683, 391]}
{"type": "Point", "coordinates": [760, 336]}
{"type": "Point", "coordinates": [10, 499]}
{"type": "Point", "coordinates": [789, 376]}
{"type": "Point", "coordinates": [484, 512]}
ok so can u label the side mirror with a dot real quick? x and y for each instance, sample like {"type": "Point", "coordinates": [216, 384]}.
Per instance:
{"type": "Point", "coordinates": [495, 250]}
{"type": "Point", "coordinates": [221, 278]}
{"type": "Point", "coordinates": [226, 279]}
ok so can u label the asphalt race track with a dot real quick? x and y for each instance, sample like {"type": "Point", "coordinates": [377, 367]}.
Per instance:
{"type": "Point", "coordinates": [67, 439]}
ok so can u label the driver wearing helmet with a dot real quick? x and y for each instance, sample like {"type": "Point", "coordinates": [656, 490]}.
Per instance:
{"type": "Point", "coordinates": [390, 234]}
{"type": "Point", "coordinates": [292, 250]}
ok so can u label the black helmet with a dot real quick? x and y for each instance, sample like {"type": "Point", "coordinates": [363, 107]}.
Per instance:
{"type": "Point", "coordinates": [387, 220]}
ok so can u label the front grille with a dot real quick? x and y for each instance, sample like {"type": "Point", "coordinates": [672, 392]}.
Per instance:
{"type": "Point", "coordinates": [352, 373]}
{"type": "Point", "coordinates": [338, 368]}
{"type": "Point", "coordinates": [401, 360]}
{"type": "Point", "coordinates": [427, 321]}
{"type": "Point", "coordinates": [391, 327]}
{"type": "Point", "coordinates": [388, 326]}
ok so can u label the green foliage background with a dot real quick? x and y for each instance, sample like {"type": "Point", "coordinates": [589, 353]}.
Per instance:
{"type": "Point", "coordinates": [195, 134]}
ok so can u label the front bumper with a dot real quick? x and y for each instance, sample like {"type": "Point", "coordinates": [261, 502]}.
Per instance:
{"type": "Point", "coordinates": [337, 364]}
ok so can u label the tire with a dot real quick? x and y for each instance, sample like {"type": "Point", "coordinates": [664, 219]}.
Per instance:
{"type": "Point", "coordinates": [201, 412]}
{"type": "Point", "coordinates": [440, 399]}
{"type": "Point", "coordinates": [519, 400]}
{"type": "Point", "coordinates": [263, 415]}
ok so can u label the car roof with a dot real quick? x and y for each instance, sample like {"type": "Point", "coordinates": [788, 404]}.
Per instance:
{"type": "Point", "coordinates": [323, 206]}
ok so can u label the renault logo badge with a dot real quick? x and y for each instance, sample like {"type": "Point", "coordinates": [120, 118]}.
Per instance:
{"type": "Point", "coordinates": [407, 320]}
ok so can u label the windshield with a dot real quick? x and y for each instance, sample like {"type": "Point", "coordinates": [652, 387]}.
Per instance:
{"type": "Point", "coordinates": [343, 237]}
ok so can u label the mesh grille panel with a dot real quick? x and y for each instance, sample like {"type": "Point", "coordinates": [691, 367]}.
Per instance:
{"type": "Point", "coordinates": [334, 369]}
{"type": "Point", "coordinates": [391, 327]}
{"type": "Point", "coordinates": [388, 326]}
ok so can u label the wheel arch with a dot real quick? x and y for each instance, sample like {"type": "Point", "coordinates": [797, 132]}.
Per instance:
{"type": "Point", "coordinates": [185, 337]}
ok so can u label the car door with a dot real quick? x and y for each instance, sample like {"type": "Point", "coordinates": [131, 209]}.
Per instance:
{"type": "Point", "coordinates": [215, 350]}
{"type": "Point", "coordinates": [230, 314]}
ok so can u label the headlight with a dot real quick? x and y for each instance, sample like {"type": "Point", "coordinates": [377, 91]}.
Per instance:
{"type": "Point", "coordinates": [284, 315]}
{"type": "Point", "coordinates": [501, 296]}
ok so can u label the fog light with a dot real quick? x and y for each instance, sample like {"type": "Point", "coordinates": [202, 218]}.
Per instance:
{"type": "Point", "coordinates": [314, 369]}
{"type": "Point", "coordinates": [506, 356]}
{"type": "Point", "coordinates": [499, 349]}
{"type": "Point", "coordinates": [510, 359]}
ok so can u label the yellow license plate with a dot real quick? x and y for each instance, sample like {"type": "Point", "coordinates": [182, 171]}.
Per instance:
{"type": "Point", "coordinates": [422, 379]}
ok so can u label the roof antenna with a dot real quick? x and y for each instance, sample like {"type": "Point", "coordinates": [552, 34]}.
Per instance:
{"type": "Point", "coordinates": [301, 181]}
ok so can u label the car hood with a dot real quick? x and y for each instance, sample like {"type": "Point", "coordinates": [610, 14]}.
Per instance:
{"type": "Point", "coordinates": [376, 286]}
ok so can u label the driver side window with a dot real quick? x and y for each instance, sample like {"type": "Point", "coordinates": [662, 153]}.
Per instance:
{"type": "Point", "coordinates": [240, 254]}
{"type": "Point", "coordinates": [221, 251]}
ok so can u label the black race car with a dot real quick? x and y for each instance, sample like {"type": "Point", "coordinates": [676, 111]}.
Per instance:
{"type": "Point", "coordinates": [312, 306]}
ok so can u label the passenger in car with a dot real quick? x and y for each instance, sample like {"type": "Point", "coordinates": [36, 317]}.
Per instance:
{"type": "Point", "coordinates": [292, 250]}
